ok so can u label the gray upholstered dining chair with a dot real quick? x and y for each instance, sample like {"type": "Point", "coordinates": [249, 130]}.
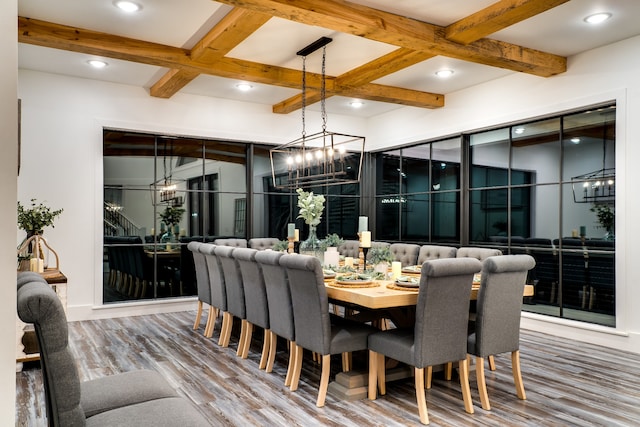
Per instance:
{"type": "Point", "coordinates": [255, 297]}
{"type": "Point", "coordinates": [350, 248]}
{"type": "Point", "coordinates": [262, 243]}
{"type": "Point", "coordinates": [440, 332]}
{"type": "Point", "coordinates": [406, 253]}
{"type": "Point", "coordinates": [235, 294]}
{"type": "Point", "coordinates": [202, 283]}
{"type": "Point", "coordinates": [218, 291]}
{"type": "Point", "coordinates": [232, 241]}
{"type": "Point", "coordinates": [497, 324]}
{"type": "Point", "coordinates": [428, 252]}
{"type": "Point", "coordinates": [280, 308]}
{"type": "Point", "coordinates": [136, 398]}
{"type": "Point", "coordinates": [313, 327]}
{"type": "Point", "coordinates": [477, 253]}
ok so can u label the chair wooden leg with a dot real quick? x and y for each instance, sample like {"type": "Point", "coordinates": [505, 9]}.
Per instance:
{"type": "Point", "coordinates": [225, 332]}
{"type": "Point", "coordinates": [448, 369]}
{"type": "Point", "coordinates": [517, 374]}
{"type": "Point", "coordinates": [324, 380]}
{"type": "Point", "coordinates": [373, 374]}
{"type": "Point", "coordinates": [266, 342]}
{"type": "Point", "coordinates": [482, 385]}
{"type": "Point", "coordinates": [297, 367]}
{"type": "Point", "coordinates": [428, 374]}
{"type": "Point", "coordinates": [211, 321]}
{"type": "Point", "coordinates": [382, 380]}
{"type": "Point", "coordinates": [492, 363]}
{"type": "Point", "coordinates": [420, 396]}
{"type": "Point", "coordinates": [196, 324]}
{"type": "Point", "coordinates": [246, 342]}
{"type": "Point", "coordinates": [273, 342]}
{"type": "Point", "coordinates": [463, 370]}
{"type": "Point", "coordinates": [292, 362]}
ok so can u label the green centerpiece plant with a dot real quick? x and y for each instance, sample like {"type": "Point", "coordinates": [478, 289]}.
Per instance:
{"type": "Point", "coordinates": [380, 254]}
{"type": "Point", "coordinates": [311, 208]}
{"type": "Point", "coordinates": [35, 218]}
{"type": "Point", "coordinates": [171, 216]}
{"type": "Point", "coordinates": [331, 241]}
{"type": "Point", "coordinates": [606, 217]}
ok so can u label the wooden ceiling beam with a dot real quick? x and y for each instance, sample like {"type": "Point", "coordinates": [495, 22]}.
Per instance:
{"type": "Point", "coordinates": [496, 17]}
{"type": "Point", "coordinates": [350, 82]}
{"type": "Point", "coordinates": [85, 41]}
{"type": "Point", "coordinates": [401, 31]}
{"type": "Point", "coordinates": [236, 26]}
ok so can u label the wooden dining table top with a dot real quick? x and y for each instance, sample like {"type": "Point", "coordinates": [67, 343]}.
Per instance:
{"type": "Point", "coordinates": [383, 297]}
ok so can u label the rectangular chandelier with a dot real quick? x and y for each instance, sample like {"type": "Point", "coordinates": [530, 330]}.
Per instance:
{"type": "Point", "coordinates": [322, 159]}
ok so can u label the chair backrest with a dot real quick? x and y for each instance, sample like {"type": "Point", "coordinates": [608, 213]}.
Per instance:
{"type": "Point", "coordinates": [278, 294]}
{"type": "Point", "coordinates": [39, 304]}
{"type": "Point", "coordinates": [406, 253]}
{"type": "Point", "coordinates": [442, 311]}
{"type": "Point", "coordinates": [233, 242]}
{"type": "Point", "coordinates": [500, 303]}
{"type": "Point", "coordinates": [262, 243]}
{"type": "Point", "coordinates": [255, 294]}
{"type": "Point", "coordinates": [349, 248]}
{"type": "Point", "coordinates": [477, 253]}
{"type": "Point", "coordinates": [428, 252]}
{"type": "Point", "coordinates": [216, 278]}
{"type": "Point", "coordinates": [202, 273]}
{"type": "Point", "coordinates": [310, 302]}
{"type": "Point", "coordinates": [232, 281]}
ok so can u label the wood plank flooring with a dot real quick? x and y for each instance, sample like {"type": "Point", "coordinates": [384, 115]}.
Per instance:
{"type": "Point", "coordinates": [567, 383]}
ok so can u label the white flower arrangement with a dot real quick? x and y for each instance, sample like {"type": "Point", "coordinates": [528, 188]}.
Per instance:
{"type": "Point", "coordinates": [311, 206]}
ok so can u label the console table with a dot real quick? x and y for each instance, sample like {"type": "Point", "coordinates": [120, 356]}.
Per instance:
{"type": "Point", "coordinates": [26, 342]}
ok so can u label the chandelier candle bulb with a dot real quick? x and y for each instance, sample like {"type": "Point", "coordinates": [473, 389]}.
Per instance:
{"type": "Point", "coordinates": [363, 224]}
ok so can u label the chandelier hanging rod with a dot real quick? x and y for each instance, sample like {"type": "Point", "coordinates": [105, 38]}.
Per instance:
{"type": "Point", "coordinates": [321, 42]}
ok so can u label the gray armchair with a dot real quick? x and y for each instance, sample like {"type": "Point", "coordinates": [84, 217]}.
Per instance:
{"type": "Point", "coordinates": [235, 294]}
{"type": "Point", "coordinates": [497, 325]}
{"type": "Point", "coordinates": [138, 398]}
{"type": "Point", "coordinates": [313, 328]}
{"type": "Point", "coordinates": [440, 331]}
{"type": "Point", "coordinates": [350, 248]}
{"type": "Point", "coordinates": [233, 242]}
{"type": "Point", "coordinates": [218, 291]}
{"type": "Point", "coordinates": [477, 253]}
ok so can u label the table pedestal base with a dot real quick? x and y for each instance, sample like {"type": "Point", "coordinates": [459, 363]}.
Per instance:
{"type": "Point", "coordinates": [353, 385]}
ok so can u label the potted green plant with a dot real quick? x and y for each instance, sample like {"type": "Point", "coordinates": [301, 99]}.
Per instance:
{"type": "Point", "coordinates": [606, 217]}
{"type": "Point", "coordinates": [380, 257]}
{"type": "Point", "coordinates": [331, 241]}
{"type": "Point", "coordinates": [281, 246]}
{"type": "Point", "coordinates": [171, 216]}
{"type": "Point", "coordinates": [35, 218]}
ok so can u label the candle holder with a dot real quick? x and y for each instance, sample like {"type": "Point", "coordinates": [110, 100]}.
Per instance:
{"type": "Point", "coordinates": [361, 260]}
{"type": "Point", "coordinates": [290, 246]}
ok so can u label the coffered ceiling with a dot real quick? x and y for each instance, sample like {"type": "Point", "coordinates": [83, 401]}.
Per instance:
{"type": "Point", "coordinates": [383, 53]}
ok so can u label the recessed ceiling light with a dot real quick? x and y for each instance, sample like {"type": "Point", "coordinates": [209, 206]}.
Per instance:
{"type": "Point", "coordinates": [575, 140]}
{"type": "Point", "coordinates": [443, 74]}
{"type": "Point", "coordinates": [96, 63]}
{"type": "Point", "coordinates": [127, 6]}
{"type": "Point", "coordinates": [244, 87]}
{"type": "Point", "coordinates": [356, 104]}
{"type": "Point", "coordinates": [597, 18]}
{"type": "Point", "coordinates": [518, 130]}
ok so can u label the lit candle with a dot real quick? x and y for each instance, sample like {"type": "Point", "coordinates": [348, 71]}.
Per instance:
{"type": "Point", "coordinates": [365, 239]}
{"type": "Point", "coordinates": [296, 235]}
{"type": "Point", "coordinates": [348, 261]}
{"type": "Point", "coordinates": [33, 264]}
{"type": "Point", "coordinates": [574, 233]}
{"type": "Point", "coordinates": [363, 224]}
{"type": "Point", "coordinates": [291, 230]}
{"type": "Point", "coordinates": [40, 265]}
{"type": "Point", "coordinates": [153, 231]}
{"type": "Point", "coordinates": [396, 269]}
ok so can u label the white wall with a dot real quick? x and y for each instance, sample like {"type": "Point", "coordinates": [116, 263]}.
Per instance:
{"type": "Point", "coordinates": [8, 172]}
{"type": "Point", "coordinates": [63, 119]}
{"type": "Point", "coordinates": [604, 74]}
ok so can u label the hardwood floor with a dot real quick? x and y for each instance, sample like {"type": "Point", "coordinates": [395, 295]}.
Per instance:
{"type": "Point", "coordinates": [567, 383]}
